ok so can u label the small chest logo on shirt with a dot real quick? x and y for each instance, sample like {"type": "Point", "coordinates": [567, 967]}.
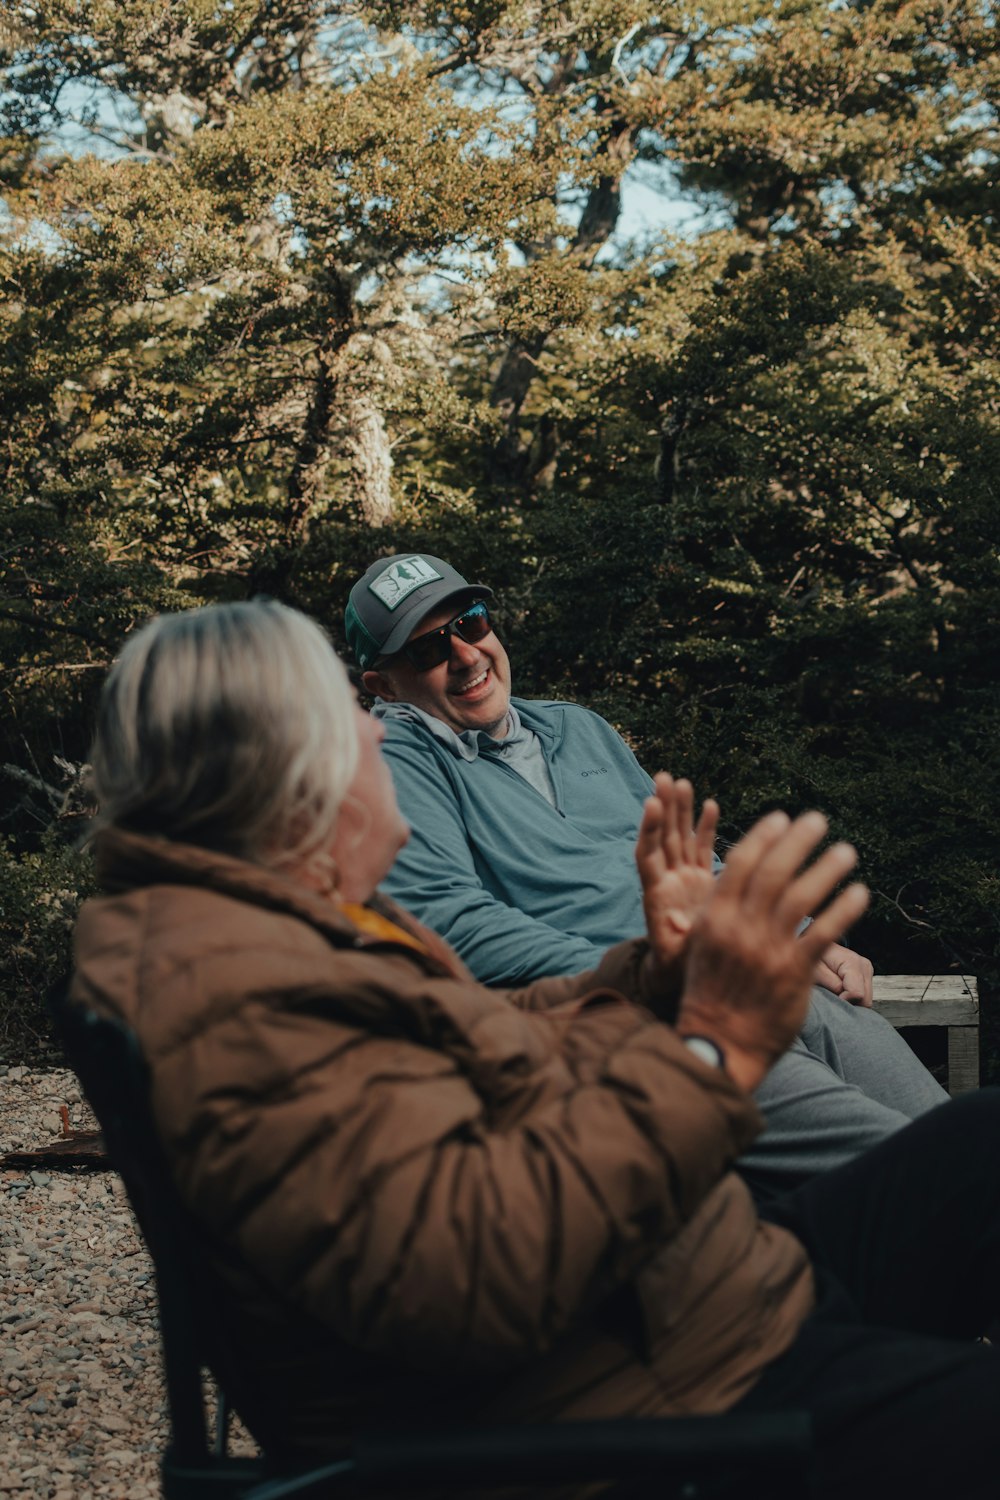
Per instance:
{"type": "Point", "coordinates": [596, 771]}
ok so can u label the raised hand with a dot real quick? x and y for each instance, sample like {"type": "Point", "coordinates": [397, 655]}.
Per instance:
{"type": "Point", "coordinates": [748, 975]}
{"type": "Point", "coordinates": [674, 857]}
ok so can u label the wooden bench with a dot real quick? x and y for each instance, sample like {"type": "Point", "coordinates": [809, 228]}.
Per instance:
{"type": "Point", "coordinates": [949, 1000]}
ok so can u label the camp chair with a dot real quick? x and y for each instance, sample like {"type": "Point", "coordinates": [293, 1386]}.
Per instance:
{"type": "Point", "coordinates": [685, 1457]}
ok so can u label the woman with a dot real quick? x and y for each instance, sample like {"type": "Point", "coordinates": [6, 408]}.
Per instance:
{"type": "Point", "coordinates": [422, 1197]}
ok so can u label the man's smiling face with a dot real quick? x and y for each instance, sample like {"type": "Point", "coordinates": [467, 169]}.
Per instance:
{"type": "Point", "coordinates": [471, 690]}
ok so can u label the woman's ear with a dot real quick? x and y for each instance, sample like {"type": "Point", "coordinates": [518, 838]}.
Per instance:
{"type": "Point", "coordinates": [353, 824]}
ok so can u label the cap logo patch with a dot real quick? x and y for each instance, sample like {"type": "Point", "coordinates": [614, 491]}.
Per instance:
{"type": "Point", "coordinates": [401, 578]}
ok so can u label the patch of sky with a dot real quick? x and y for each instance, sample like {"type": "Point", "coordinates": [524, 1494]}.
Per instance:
{"type": "Point", "coordinates": [32, 236]}
{"type": "Point", "coordinates": [654, 205]}
{"type": "Point", "coordinates": [95, 118]}
{"type": "Point", "coordinates": [353, 51]}
{"type": "Point", "coordinates": [283, 210]}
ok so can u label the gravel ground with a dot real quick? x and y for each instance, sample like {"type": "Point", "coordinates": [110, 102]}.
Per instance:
{"type": "Point", "coordinates": [81, 1397]}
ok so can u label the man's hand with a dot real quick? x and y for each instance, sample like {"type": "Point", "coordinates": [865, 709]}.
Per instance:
{"type": "Point", "coordinates": [748, 975]}
{"type": "Point", "coordinates": [675, 866]}
{"type": "Point", "coordinates": [846, 973]}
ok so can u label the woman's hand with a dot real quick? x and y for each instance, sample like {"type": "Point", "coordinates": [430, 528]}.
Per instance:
{"type": "Point", "coordinates": [748, 975]}
{"type": "Point", "coordinates": [675, 866]}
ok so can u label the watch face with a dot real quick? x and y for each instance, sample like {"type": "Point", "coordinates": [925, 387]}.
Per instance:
{"type": "Point", "coordinates": [706, 1050]}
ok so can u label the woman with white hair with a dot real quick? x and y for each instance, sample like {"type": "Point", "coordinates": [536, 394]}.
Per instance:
{"type": "Point", "coordinates": [235, 728]}
{"type": "Point", "coordinates": [427, 1200]}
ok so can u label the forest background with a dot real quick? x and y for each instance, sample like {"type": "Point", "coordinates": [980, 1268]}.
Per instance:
{"type": "Point", "coordinates": [286, 286]}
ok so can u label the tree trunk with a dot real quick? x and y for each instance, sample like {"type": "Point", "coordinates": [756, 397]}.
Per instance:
{"type": "Point", "coordinates": [512, 383]}
{"type": "Point", "coordinates": [305, 480]}
{"type": "Point", "coordinates": [367, 447]}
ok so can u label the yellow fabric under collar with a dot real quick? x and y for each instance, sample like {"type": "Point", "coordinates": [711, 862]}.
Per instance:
{"type": "Point", "coordinates": [376, 926]}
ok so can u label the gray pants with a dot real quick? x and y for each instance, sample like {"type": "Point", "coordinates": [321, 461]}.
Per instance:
{"type": "Point", "coordinates": [848, 1082]}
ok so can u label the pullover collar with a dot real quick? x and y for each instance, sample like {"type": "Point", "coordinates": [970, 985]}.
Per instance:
{"type": "Point", "coordinates": [464, 746]}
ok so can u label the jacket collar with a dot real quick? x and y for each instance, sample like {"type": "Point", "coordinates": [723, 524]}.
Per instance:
{"type": "Point", "coordinates": [548, 725]}
{"type": "Point", "coordinates": [126, 861]}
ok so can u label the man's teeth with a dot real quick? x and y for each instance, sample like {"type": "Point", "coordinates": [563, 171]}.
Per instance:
{"type": "Point", "coordinates": [474, 683]}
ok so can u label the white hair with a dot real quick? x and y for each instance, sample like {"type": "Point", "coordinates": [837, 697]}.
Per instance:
{"type": "Point", "coordinates": [232, 727]}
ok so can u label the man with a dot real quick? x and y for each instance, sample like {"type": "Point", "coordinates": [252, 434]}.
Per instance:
{"type": "Point", "coordinates": [523, 817]}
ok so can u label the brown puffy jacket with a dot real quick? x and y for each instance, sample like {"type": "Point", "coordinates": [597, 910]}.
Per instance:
{"type": "Point", "coordinates": [425, 1199]}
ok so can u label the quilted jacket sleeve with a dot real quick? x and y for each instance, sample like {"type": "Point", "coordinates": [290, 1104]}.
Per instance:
{"type": "Point", "coordinates": [622, 968]}
{"type": "Point", "coordinates": [464, 1189]}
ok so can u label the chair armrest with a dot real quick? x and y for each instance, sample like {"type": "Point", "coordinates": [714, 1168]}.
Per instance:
{"type": "Point", "coordinates": [582, 1451]}
{"type": "Point", "coordinates": [567, 1453]}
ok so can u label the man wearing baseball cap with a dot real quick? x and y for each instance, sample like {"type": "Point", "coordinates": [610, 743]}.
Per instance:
{"type": "Point", "coordinates": [522, 854]}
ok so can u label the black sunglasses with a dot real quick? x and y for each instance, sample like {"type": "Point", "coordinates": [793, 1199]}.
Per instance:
{"type": "Point", "coordinates": [430, 650]}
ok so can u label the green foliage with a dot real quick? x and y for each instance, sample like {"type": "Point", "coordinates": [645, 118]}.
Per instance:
{"type": "Point", "coordinates": [882, 712]}
{"type": "Point", "coordinates": [40, 894]}
{"type": "Point", "coordinates": [299, 285]}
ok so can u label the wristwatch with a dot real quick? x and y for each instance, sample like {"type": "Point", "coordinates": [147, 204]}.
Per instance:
{"type": "Point", "coordinates": [706, 1050]}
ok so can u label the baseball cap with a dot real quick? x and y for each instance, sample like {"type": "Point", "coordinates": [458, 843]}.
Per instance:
{"type": "Point", "coordinates": [389, 601]}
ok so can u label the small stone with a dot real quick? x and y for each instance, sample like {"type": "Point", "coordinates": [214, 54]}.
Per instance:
{"type": "Point", "coordinates": [27, 1325]}
{"type": "Point", "coordinates": [40, 1406]}
{"type": "Point", "coordinates": [41, 1179]}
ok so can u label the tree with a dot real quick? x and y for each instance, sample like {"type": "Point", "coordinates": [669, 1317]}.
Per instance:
{"type": "Point", "coordinates": [288, 285]}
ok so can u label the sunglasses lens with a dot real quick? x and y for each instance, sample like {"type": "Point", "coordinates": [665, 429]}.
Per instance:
{"type": "Point", "coordinates": [432, 649]}
{"type": "Point", "coordinates": [475, 625]}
